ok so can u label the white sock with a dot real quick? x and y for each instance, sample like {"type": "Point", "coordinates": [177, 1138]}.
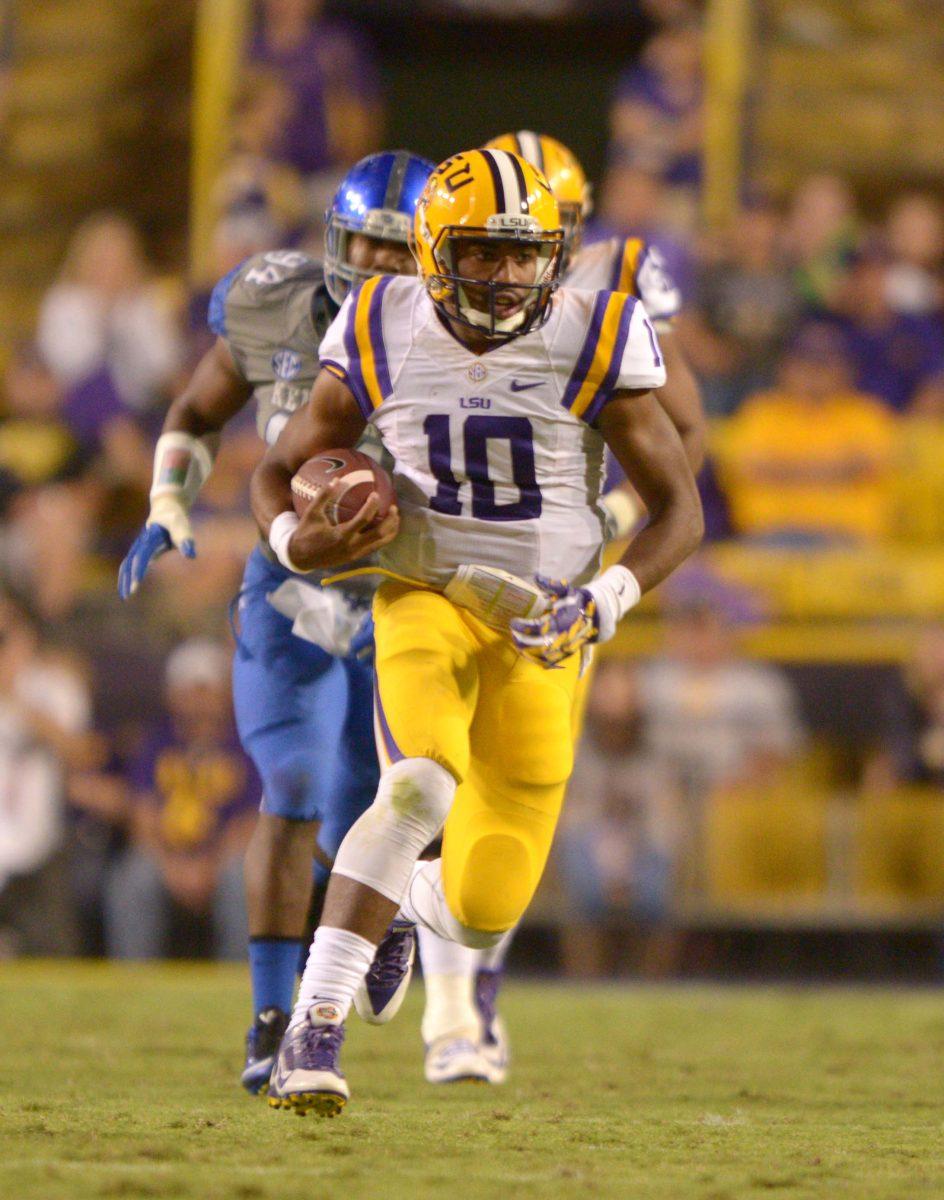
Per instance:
{"type": "Point", "coordinates": [424, 903]}
{"type": "Point", "coordinates": [337, 963]}
{"type": "Point", "coordinates": [450, 1009]}
{"type": "Point", "coordinates": [443, 956]}
{"type": "Point", "coordinates": [493, 959]}
{"type": "Point", "coordinates": [448, 977]}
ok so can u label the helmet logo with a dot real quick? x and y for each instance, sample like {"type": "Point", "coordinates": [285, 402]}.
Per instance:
{"type": "Point", "coordinates": [457, 177]}
{"type": "Point", "coordinates": [477, 372]}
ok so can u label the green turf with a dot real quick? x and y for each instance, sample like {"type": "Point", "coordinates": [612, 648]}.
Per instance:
{"type": "Point", "coordinates": [121, 1082]}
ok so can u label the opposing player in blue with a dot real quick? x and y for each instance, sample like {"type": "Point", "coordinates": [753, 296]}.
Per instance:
{"type": "Point", "coordinates": [302, 690]}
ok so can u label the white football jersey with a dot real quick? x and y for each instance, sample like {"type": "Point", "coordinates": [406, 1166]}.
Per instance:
{"type": "Point", "coordinates": [628, 265]}
{"type": "Point", "coordinates": [496, 456]}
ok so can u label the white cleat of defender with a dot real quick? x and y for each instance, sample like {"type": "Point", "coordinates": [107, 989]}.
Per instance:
{"type": "Point", "coordinates": [455, 1060]}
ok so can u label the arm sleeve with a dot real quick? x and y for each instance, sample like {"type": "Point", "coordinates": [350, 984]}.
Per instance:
{"type": "Point", "coordinates": [642, 364]}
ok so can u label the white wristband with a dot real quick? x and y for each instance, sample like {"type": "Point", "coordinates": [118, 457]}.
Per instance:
{"type": "Point", "coordinates": [181, 466]}
{"type": "Point", "coordinates": [616, 591]}
{"type": "Point", "coordinates": [280, 534]}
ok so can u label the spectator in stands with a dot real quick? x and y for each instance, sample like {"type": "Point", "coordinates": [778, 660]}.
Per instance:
{"type": "Point", "coordinates": [892, 352]}
{"type": "Point", "coordinates": [330, 69]}
{"type": "Point", "coordinates": [195, 796]}
{"type": "Point", "coordinates": [711, 717]}
{"type": "Point", "coordinates": [619, 843]}
{"type": "Point", "coordinates": [6, 59]}
{"type": "Point", "coordinates": [36, 444]}
{"type": "Point", "coordinates": [656, 120]}
{"type": "Point", "coordinates": [243, 231]}
{"type": "Point", "coordinates": [44, 728]}
{"type": "Point", "coordinates": [49, 494]}
{"type": "Point", "coordinates": [809, 461]}
{"type": "Point", "coordinates": [910, 745]}
{"type": "Point", "coordinates": [255, 181]}
{"type": "Point", "coordinates": [821, 233]}
{"type": "Point", "coordinates": [915, 232]}
{"type": "Point", "coordinates": [745, 308]}
{"type": "Point", "coordinates": [634, 203]}
{"type": "Point", "coordinates": [928, 400]}
{"type": "Point", "coordinates": [104, 328]}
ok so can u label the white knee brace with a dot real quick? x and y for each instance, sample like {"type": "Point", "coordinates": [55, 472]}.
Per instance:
{"type": "Point", "coordinates": [413, 800]}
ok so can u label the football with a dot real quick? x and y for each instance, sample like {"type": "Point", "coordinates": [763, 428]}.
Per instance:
{"type": "Point", "coordinates": [359, 475]}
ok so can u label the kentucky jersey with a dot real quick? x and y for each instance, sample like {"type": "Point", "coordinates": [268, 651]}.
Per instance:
{"type": "Point", "coordinates": [497, 459]}
{"type": "Point", "coordinates": [272, 311]}
{"type": "Point", "coordinates": [628, 265]}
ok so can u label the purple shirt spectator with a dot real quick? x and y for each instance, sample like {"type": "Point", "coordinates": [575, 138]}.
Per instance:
{"type": "Point", "coordinates": [196, 791]}
{"type": "Point", "coordinates": [892, 360]}
{"type": "Point", "coordinates": [334, 54]}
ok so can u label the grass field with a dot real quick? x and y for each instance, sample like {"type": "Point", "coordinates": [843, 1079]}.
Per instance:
{"type": "Point", "coordinates": [121, 1082]}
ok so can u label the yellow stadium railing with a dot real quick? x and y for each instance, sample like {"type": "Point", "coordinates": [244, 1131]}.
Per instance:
{"type": "Point", "coordinates": [728, 30]}
{"type": "Point", "coordinates": [219, 41]}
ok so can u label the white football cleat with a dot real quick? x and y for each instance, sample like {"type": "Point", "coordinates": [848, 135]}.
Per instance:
{"type": "Point", "coordinates": [455, 1060]}
{"type": "Point", "coordinates": [494, 1044]}
{"type": "Point", "coordinates": [494, 1050]}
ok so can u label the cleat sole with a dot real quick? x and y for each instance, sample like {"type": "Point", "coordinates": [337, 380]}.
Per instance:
{"type": "Point", "coordinates": [322, 1104]}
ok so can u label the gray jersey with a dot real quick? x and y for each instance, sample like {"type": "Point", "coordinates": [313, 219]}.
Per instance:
{"type": "Point", "coordinates": [272, 312]}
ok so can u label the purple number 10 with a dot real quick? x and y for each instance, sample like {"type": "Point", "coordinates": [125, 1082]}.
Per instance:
{"type": "Point", "coordinates": [476, 434]}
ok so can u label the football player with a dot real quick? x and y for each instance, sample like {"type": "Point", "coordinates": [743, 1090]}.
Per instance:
{"type": "Point", "coordinates": [302, 695]}
{"type": "Point", "coordinates": [495, 399]}
{"type": "Point", "coordinates": [464, 1035]}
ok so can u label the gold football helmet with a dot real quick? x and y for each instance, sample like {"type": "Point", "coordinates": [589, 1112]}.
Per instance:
{"type": "Point", "coordinates": [565, 175]}
{"type": "Point", "coordinates": [494, 204]}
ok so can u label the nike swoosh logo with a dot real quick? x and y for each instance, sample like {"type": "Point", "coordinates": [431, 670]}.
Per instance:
{"type": "Point", "coordinates": [524, 387]}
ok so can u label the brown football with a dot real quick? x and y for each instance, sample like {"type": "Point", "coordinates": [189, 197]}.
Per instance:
{"type": "Point", "coordinates": [359, 476]}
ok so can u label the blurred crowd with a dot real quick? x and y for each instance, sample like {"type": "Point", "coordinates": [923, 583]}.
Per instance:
{"type": "Point", "coordinates": [816, 330]}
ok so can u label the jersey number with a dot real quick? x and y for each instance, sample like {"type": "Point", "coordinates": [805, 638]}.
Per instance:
{"type": "Point", "coordinates": [477, 432]}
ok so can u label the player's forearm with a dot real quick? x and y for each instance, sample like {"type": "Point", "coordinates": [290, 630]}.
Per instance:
{"type": "Point", "coordinates": [270, 491]}
{"type": "Point", "coordinates": [215, 394]}
{"type": "Point", "coordinates": [673, 532]}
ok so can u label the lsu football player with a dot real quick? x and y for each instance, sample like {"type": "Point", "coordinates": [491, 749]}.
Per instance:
{"type": "Point", "coordinates": [495, 398]}
{"type": "Point", "coordinates": [302, 695]}
{"type": "Point", "coordinates": [462, 1030]}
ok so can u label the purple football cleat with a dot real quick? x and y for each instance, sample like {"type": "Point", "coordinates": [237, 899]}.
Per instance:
{"type": "Point", "coordinates": [379, 997]}
{"type": "Point", "coordinates": [307, 1077]}
{"type": "Point", "coordinates": [494, 1043]}
{"type": "Point", "coordinates": [262, 1045]}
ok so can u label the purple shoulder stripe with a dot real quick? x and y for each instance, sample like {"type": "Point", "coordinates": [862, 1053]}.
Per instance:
{"type": "Point", "coordinates": [605, 391]}
{"type": "Point", "coordinates": [586, 354]}
{"type": "Point", "coordinates": [375, 324]}
{"type": "Point", "coordinates": [354, 371]}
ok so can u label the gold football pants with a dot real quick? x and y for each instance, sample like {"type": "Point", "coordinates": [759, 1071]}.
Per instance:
{"type": "Point", "coordinates": [454, 690]}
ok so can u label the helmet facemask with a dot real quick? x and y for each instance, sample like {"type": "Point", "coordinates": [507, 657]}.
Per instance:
{"type": "Point", "coordinates": [571, 217]}
{"type": "Point", "coordinates": [478, 303]}
{"type": "Point", "coordinates": [341, 276]}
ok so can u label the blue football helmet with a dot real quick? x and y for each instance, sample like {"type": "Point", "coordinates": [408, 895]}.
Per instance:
{"type": "Point", "coordinates": [377, 197]}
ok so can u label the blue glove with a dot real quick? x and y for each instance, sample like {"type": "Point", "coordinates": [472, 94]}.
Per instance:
{"type": "Point", "coordinates": [151, 543]}
{"type": "Point", "coordinates": [568, 624]}
{"type": "Point", "coordinates": [362, 643]}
